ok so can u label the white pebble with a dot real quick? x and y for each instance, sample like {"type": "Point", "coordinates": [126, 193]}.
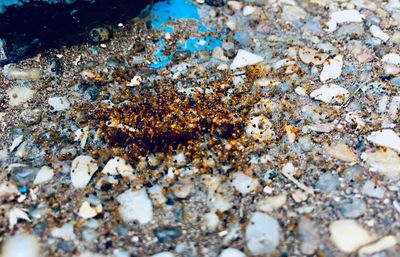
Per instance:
{"type": "Point", "coordinates": [387, 138]}
{"type": "Point", "coordinates": [391, 58]}
{"type": "Point", "coordinates": [332, 68]}
{"type": "Point", "coordinates": [348, 235]}
{"type": "Point", "coordinates": [59, 104]}
{"type": "Point", "coordinates": [7, 188]}
{"type": "Point", "coordinates": [82, 169]}
{"type": "Point", "coordinates": [243, 183]}
{"type": "Point", "coordinates": [343, 16]}
{"type": "Point", "coordinates": [118, 166]}
{"type": "Point", "coordinates": [65, 232]}
{"type": "Point", "coordinates": [211, 221]}
{"type": "Point", "coordinates": [249, 9]}
{"type": "Point", "coordinates": [330, 93]}
{"type": "Point", "coordinates": [163, 254]}
{"type": "Point", "coordinates": [311, 56]}
{"type": "Point", "coordinates": [289, 168]}
{"type": "Point", "coordinates": [21, 245]}
{"type": "Point", "coordinates": [135, 81]}
{"type": "Point", "coordinates": [21, 74]}
{"type": "Point", "coordinates": [16, 142]}
{"type": "Point", "coordinates": [262, 234]}
{"type": "Point", "coordinates": [272, 203]}
{"type": "Point", "coordinates": [380, 245]}
{"type": "Point", "coordinates": [44, 175]}
{"type": "Point", "coordinates": [235, 5]}
{"type": "Point", "coordinates": [244, 58]}
{"type": "Point", "coordinates": [16, 214]}
{"type": "Point", "coordinates": [232, 252]}
{"type": "Point", "coordinates": [135, 205]}
{"type": "Point", "coordinates": [87, 212]}
{"type": "Point", "coordinates": [378, 33]}
{"type": "Point", "coordinates": [386, 162]}
{"type": "Point", "coordinates": [82, 135]}
{"type": "Point", "coordinates": [19, 94]}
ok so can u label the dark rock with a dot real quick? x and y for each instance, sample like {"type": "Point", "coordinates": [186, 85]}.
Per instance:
{"type": "Point", "coordinates": [56, 66]}
{"type": "Point", "coordinates": [99, 35]}
{"type": "Point", "coordinates": [92, 93]}
{"type": "Point", "coordinates": [179, 56]}
{"type": "Point", "coordinates": [216, 2]}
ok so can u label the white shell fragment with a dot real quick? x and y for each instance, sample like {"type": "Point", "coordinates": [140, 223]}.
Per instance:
{"type": "Point", "coordinates": [391, 58]}
{"type": "Point", "coordinates": [387, 138]}
{"type": "Point", "coordinates": [16, 214]}
{"type": "Point", "coordinates": [82, 135]}
{"type": "Point", "coordinates": [232, 252]}
{"type": "Point", "coordinates": [332, 68]}
{"type": "Point", "coordinates": [348, 235]}
{"type": "Point", "coordinates": [343, 16]}
{"type": "Point", "coordinates": [330, 93]}
{"type": "Point", "coordinates": [87, 212]}
{"type": "Point", "coordinates": [380, 245]}
{"type": "Point", "coordinates": [163, 254]}
{"type": "Point", "coordinates": [311, 56]}
{"type": "Point", "coordinates": [378, 33]}
{"type": "Point", "coordinates": [118, 166]}
{"type": "Point", "coordinates": [386, 162]}
{"type": "Point", "coordinates": [244, 58]}
{"type": "Point", "coordinates": [243, 183]}
{"type": "Point", "coordinates": [59, 103]}
{"type": "Point", "coordinates": [65, 232]}
{"type": "Point", "coordinates": [262, 234]}
{"type": "Point", "coordinates": [16, 142]}
{"type": "Point", "coordinates": [249, 9]}
{"type": "Point", "coordinates": [21, 245]}
{"type": "Point", "coordinates": [7, 188]}
{"type": "Point", "coordinates": [135, 205]}
{"type": "Point", "coordinates": [135, 81]}
{"type": "Point", "coordinates": [45, 174]}
{"type": "Point", "coordinates": [82, 169]}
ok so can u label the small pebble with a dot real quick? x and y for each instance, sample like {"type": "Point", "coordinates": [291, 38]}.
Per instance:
{"type": "Point", "coordinates": [262, 234]}
{"type": "Point", "coordinates": [328, 183]}
{"type": "Point", "coordinates": [370, 189]}
{"type": "Point", "coordinates": [353, 209]}
{"type": "Point", "coordinates": [387, 138]}
{"type": "Point", "coordinates": [135, 205]}
{"type": "Point", "coordinates": [21, 245]}
{"type": "Point", "coordinates": [231, 252]}
{"type": "Point", "coordinates": [59, 104]}
{"type": "Point", "coordinates": [83, 168]}
{"type": "Point", "coordinates": [348, 235]}
{"type": "Point", "coordinates": [244, 58]}
{"type": "Point", "coordinates": [330, 93]}
{"type": "Point", "coordinates": [118, 166]}
{"type": "Point", "coordinates": [44, 175]}
{"type": "Point", "coordinates": [243, 183]}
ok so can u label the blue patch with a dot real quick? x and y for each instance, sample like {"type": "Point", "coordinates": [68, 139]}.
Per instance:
{"type": "Point", "coordinates": [23, 189]}
{"type": "Point", "coordinates": [172, 10]}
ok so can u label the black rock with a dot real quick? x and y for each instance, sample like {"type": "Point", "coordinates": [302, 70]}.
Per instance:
{"type": "Point", "coordinates": [218, 3]}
